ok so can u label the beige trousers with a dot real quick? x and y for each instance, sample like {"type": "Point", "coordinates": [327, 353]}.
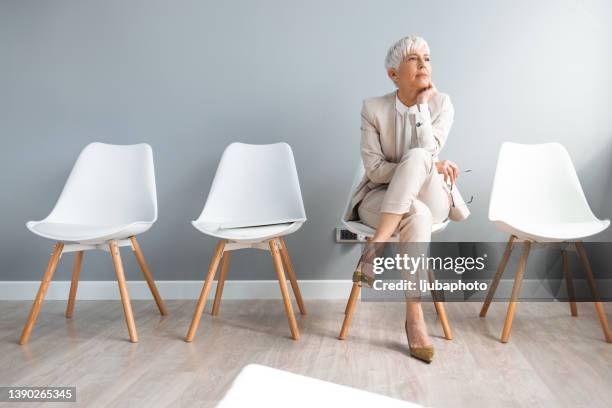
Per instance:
{"type": "Point", "coordinates": [417, 191]}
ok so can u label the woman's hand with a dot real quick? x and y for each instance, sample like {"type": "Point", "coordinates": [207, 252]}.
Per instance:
{"type": "Point", "coordinates": [426, 93]}
{"type": "Point", "coordinates": [449, 169]}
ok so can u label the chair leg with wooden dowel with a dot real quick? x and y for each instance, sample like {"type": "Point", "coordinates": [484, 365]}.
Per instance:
{"type": "Point", "coordinates": [148, 277]}
{"type": "Point", "coordinates": [76, 271]}
{"type": "Point", "coordinates": [498, 275]}
{"type": "Point", "coordinates": [220, 283]}
{"type": "Point", "coordinates": [125, 297]}
{"type": "Point", "coordinates": [591, 281]}
{"type": "Point", "coordinates": [42, 290]}
{"type": "Point", "coordinates": [569, 283]}
{"type": "Point", "coordinates": [516, 289]}
{"type": "Point", "coordinates": [282, 280]}
{"type": "Point", "coordinates": [436, 295]}
{"type": "Point", "coordinates": [291, 275]}
{"type": "Point", "coordinates": [448, 334]}
{"type": "Point", "coordinates": [438, 301]}
{"type": "Point", "coordinates": [197, 315]}
{"type": "Point", "coordinates": [349, 311]}
{"type": "Point", "coordinates": [352, 302]}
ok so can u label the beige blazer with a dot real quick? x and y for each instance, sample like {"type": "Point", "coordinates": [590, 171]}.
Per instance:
{"type": "Point", "coordinates": [379, 152]}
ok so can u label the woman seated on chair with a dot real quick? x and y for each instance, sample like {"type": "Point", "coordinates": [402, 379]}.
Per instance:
{"type": "Point", "coordinates": [404, 190]}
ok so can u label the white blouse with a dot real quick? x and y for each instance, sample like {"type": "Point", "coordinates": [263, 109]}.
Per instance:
{"type": "Point", "coordinates": [408, 121]}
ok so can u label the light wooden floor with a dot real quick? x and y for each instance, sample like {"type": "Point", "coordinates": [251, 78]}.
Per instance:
{"type": "Point", "coordinates": [552, 359]}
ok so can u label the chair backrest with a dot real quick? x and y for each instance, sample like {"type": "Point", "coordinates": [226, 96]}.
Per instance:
{"type": "Point", "coordinates": [359, 173]}
{"type": "Point", "coordinates": [537, 183]}
{"type": "Point", "coordinates": [109, 185]}
{"type": "Point", "coordinates": [254, 185]}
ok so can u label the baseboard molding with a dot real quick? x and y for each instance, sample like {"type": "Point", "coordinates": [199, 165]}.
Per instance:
{"type": "Point", "coordinates": [233, 289]}
{"type": "Point", "coordinates": [241, 289]}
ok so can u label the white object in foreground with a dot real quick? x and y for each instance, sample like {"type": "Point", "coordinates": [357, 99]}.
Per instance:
{"type": "Point", "coordinates": [261, 386]}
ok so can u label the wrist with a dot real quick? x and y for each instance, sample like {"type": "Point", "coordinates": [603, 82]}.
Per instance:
{"type": "Point", "coordinates": [421, 106]}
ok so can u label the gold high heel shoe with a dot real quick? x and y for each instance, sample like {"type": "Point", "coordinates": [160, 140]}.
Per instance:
{"type": "Point", "coordinates": [424, 354]}
{"type": "Point", "coordinates": [364, 270]}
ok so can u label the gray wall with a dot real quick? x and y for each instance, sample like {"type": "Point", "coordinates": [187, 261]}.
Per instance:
{"type": "Point", "coordinates": [189, 77]}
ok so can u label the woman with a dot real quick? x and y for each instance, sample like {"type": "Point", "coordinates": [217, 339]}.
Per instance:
{"type": "Point", "coordinates": [405, 187]}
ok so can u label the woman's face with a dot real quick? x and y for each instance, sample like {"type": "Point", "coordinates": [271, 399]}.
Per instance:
{"type": "Point", "coordinates": [414, 71]}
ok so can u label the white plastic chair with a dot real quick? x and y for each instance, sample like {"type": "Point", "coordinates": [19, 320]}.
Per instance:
{"type": "Point", "coordinates": [365, 231]}
{"type": "Point", "coordinates": [254, 201]}
{"type": "Point", "coordinates": [262, 386]}
{"type": "Point", "coordinates": [108, 199]}
{"type": "Point", "coordinates": [537, 197]}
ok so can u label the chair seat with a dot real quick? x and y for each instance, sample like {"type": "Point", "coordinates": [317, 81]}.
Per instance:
{"type": "Point", "coordinates": [248, 234]}
{"type": "Point", "coordinates": [363, 229]}
{"type": "Point", "coordinates": [87, 234]}
{"type": "Point", "coordinates": [560, 231]}
{"type": "Point", "coordinates": [261, 386]}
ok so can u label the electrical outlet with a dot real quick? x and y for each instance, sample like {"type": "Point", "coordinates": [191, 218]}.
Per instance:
{"type": "Point", "coordinates": [343, 235]}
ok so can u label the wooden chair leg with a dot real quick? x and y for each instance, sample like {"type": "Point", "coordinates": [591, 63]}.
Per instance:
{"type": "Point", "coordinates": [212, 269]}
{"type": "Point", "coordinates": [282, 280]}
{"type": "Point", "coordinates": [291, 274]}
{"type": "Point", "coordinates": [220, 283]}
{"type": "Point", "coordinates": [42, 290]}
{"type": "Point", "coordinates": [438, 300]}
{"type": "Point", "coordinates": [148, 277]}
{"type": "Point", "coordinates": [349, 304]}
{"type": "Point", "coordinates": [591, 281]}
{"type": "Point", "coordinates": [436, 295]}
{"type": "Point", "coordinates": [76, 271]}
{"type": "Point", "coordinates": [125, 297]}
{"type": "Point", "coordinates": [516, 288]}
{"type": "Point", "coordinates": [498, 275]}
{"type": "Point", "coordinates": [349, 311]}
{"type": "Point", "coordinates": [569, 283]}
{"type": "Point", "coordinates": [444, 320]}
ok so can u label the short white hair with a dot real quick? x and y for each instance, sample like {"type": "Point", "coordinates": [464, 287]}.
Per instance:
{"type": "Point", "coordinates": [401, 49]}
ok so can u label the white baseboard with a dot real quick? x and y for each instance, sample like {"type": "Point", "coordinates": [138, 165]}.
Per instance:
{"type": "Point", "coordinates": [239, 289]}
{"type": "Point", "coordinates": [233, 289]}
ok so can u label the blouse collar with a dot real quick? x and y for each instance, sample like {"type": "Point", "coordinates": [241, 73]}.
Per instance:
{"type": "Point", "coordinates": [402, 109]}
